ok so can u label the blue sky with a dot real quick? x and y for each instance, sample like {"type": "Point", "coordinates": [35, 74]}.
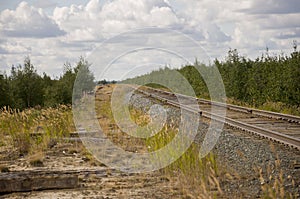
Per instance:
{"type": "Point", "coordinates": [54, 32]}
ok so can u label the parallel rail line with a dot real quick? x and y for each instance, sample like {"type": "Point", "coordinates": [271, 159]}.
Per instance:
{"type": "Point", "coordinates": [278, 127]}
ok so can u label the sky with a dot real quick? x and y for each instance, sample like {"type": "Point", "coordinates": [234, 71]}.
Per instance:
{"type": "Point", "coordinates": [122, 37]}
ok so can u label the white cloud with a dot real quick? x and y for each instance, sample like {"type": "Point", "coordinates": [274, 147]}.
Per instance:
{"type": "Point", "coordinates": [114, 17]}
{"type": "Point", "coordinates": [288, 34]}
{"type": "Point", "coordinates": [282, 21]}
{"type": "Point", "coordinates": [14, 48]}
{"type": "Point", "coordinates": [251, 25]}
{"type": "Point", "coordinates": [66, 32]}
{"type": "Point", "coordinates": [27, 21]}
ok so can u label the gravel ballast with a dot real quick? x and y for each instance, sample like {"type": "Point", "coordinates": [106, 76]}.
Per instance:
{"type": "Point", "coordinates": [243, 156]}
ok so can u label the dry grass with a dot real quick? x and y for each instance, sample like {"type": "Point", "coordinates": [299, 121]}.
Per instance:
{"type": "Point", "coordinates": [36, 160]}
{"type": "Point", "coordinates": [273, 181]}
{"type": "Point", "coordinates": [34, 130]}
{"type": "Point", "coordinates": [198, 178]}
{"type": "Point", "coordinates": [111, 130]}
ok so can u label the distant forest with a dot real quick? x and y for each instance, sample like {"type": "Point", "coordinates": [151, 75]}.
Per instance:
{"type": "Point", "coordinates": [25, 88]}
{"type": "Point", "coordinates": [266, 81]}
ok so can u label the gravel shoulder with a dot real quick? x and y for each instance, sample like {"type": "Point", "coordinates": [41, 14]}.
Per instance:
{"type": "Point", "coordinates": [248, 162]}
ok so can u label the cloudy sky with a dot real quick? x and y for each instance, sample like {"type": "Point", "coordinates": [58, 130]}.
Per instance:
{"type": "Point", "coordinates": [54, 32]}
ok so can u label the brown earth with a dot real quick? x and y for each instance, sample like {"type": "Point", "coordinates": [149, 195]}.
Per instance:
{"type": "Point", "coordinates": [95, 180]}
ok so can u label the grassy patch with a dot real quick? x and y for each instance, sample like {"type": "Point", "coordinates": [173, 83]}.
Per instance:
{"type": "Point", "coordinates": [35, 130]}
{"type": "Point", "coordinates": [197, 176]}
{"type": "Point", "coordinates": [270, 106]}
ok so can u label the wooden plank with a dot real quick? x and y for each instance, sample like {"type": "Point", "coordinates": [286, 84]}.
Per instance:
{"type": "Point", "coordinates": [23, 181]}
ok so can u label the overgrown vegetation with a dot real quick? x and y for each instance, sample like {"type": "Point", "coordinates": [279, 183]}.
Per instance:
{"type": "Point", "coordinates": [197, 176]}
{"type": "Point", "coordinates": [34, 130]}
{"type": "Point", "coordinates": [268, 82]}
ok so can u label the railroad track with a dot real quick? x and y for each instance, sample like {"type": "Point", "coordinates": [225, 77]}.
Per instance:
{"type": "Point", "coordinates": [278, 127]}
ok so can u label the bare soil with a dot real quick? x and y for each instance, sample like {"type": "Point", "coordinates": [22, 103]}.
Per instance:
{"type": "Point", "coordinates": [95, 181]}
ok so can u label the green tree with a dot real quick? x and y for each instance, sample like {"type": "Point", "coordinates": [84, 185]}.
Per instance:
{"type": "Point", "coordinates": [84, 78]}
{"type": "Point", "coordinates": [5, 97]}
{"type": "Point", "coordinates": [61, 91]}
{"type": "Point", "coordinates": [27, 86]}
{"type": "Point", "coordinates": [64, 86]}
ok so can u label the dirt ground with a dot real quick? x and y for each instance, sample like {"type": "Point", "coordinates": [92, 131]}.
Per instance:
{"type": "Point", "coordinates": [104, 183]}
{"type": "Point", "coordinates": [95, 179]}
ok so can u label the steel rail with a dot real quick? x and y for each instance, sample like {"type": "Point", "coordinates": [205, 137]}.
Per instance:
{"type": "Point", "coordinates": [270, 134]}
{"type": "Point", "coordinates": [263, 113]}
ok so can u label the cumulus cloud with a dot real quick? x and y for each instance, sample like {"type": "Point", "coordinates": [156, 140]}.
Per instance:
{"type": "Point", "coordinates": [53, 36]}
{"type": "Point", "coordinates": [27, 21]}
{"type": "Point", "coordinates": [114, 17]}
{"type": "Point", "coordinates": [96, 21]}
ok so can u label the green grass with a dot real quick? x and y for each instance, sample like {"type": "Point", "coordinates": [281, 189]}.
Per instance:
{"type": "Point", "coordinates": [278, 107]}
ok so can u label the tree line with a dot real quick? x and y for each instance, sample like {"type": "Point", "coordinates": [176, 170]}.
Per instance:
{"type": "Point", "coordinates": [25, 88]}
{"type": "Point", "coordinates": [268, 78]}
